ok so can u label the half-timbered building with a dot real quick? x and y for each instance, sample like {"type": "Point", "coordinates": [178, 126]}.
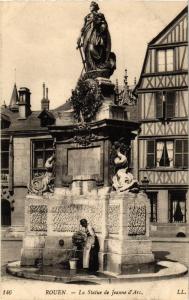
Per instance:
{"type": "Point", "coordinates": [163, 140]}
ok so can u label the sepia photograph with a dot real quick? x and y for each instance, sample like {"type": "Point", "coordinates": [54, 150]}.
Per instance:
{"type": "Point", "coordinates": [94, 150]}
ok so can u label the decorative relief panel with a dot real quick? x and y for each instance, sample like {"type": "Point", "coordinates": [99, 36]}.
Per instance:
{"type": "Point", "coordinates": [113, 218]}
{"type": "Point", "coordinates": [66, 217]}
{"type": "Point", "coordinates": [137, 220]}
{"type": "Point", "coordinates": [38, 218]}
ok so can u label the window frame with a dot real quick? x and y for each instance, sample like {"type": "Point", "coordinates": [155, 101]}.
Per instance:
{"type": "Point", "coordinates": [165, 50]}
{"type": "Point", "coordinates": [170, 206]}
{"type": "Point", "coordinates": [155, 141]}
{"type": "Point", "coordinates": [163, 153]}
{"type": "Point", "coordinates": [44, 150]}
{"type": "Point", "coordinates": [5, 171]}
{"type": "Point", "coordinates": [164, 101]}
{"type": "Point", "coordinates": [152, 156]}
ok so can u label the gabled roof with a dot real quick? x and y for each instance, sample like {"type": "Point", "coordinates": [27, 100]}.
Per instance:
{"type": "Point", "coordinates": [166, 28]}
{"type": "Point", "coordinates": [154, 40]}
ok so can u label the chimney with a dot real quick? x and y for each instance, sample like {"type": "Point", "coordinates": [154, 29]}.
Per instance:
{"type": "Point", "coordinates": [24, 103]}
{"type": "Point", "coordinates": [45, 101]}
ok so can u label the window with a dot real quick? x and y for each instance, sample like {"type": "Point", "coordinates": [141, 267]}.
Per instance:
{"type": "Point", "coordinates": [4, 160]}
{"type": "Point", "coordinates": [165, 60]}
{"type": "Point", "coordinates": [164, 153]}
{"type": "Point", "coordinates": [181, 153]}
{"type": "Point", "coordinates": [151, 154]}
{"type": "Point", "coordinates": [177, 206]}
{"type": "Point", "coordinates": [160, 153]}
{"type": "Point", "coordinates": [165, 105]}
{"type": "Point", "coordinates": [42, 150]}
{"type": "Point", "coordinates": [153, 205]}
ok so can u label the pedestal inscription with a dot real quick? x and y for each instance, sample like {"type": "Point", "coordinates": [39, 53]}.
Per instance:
{"type": "Point", "coordinates": [84, 161]}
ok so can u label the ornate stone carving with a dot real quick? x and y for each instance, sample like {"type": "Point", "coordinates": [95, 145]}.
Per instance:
{"type": "Point", "coordinates": [137, 220]}
{"type": "Point", "coordinates": [84, 140]}
{"type": "Point", "coordinates": [113, 218]}
{"type": "Point", "coordinates": [44, 183]}
{"type": "Point", "coordinates": [122, 180]}
{"type": "Point", "coordinates": [94, 45]}
{"type": "Point", "coordinates": [38, 218]}
{"type": "Point", "coordinates": [86, 99]}
{"type": "Point", "coordinates": [66, 217]}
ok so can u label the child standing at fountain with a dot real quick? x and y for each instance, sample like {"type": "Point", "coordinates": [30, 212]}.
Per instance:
{"type": "Point", "coordinates": [91, 248]}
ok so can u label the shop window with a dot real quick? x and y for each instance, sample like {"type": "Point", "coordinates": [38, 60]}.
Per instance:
{"type": "Point", "coordinates": [177, 206]}
{"type": "Point", "coordinates": [42, 150]}
{"type": "Point", "coordinates": [153, 206]}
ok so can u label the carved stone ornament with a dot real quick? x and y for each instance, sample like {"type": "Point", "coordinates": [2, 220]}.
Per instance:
{"type": "Point", "coordinates": [84, 140]}
{"type": "Point", "coordinates": [122, 180]}
{"type": "Point", "coordinates": [86, 100]}
{"type": "Point", "coordinates": [38, 217]}
{"type": "Point", "coordinates": [44, 183]}
{"type": "Point", "coordinates": [137, 220]}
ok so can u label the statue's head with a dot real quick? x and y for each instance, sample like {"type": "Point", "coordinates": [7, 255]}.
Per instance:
{"type": "Point", "coordinates": [94, 6]}
{"type": "Point", "coordinates": [83, 223]}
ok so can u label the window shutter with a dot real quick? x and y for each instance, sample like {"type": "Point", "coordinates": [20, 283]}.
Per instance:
{"type": "Point", "coordinates": [150, 154]}
{"type": "Point", "coordinates": [170, 105]}
{"type": "Point", "coordinates": [159, 105]}
{"type": "Point", "coordinates": [185, 158]}
{"type": "Point", "coordinates": [178, 153]}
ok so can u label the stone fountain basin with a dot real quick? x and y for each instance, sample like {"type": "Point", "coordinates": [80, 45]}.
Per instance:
{"type": "Point", "coordinates": [163, 270]}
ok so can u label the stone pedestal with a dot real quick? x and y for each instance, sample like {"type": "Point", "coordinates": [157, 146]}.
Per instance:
{"type": "Point", "coordinates": [120, 221]}
{"type": "Point", "coordinates": [128, 227]}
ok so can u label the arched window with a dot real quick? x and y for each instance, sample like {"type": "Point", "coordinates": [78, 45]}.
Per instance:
{"type": "Point", "coordinates": [5, 213]}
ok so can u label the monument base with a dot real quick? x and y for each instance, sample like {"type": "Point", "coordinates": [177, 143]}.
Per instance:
{"type": "Point", "coordinates": [120, 221]}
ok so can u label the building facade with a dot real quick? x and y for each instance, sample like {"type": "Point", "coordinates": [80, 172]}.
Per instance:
{"type": "Point", "coordinates": [25, 146]}
{"type": "Point", "coordinates": [163, 140]}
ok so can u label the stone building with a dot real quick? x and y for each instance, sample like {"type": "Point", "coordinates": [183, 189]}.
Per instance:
{"type": "Point", "coordinates": [25, 145]}
{"type": "Point", "coordinates": [163, 141]}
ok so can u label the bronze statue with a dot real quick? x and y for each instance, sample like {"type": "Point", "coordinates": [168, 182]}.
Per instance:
{"type": "Point", "coordinates": [94, 43]}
